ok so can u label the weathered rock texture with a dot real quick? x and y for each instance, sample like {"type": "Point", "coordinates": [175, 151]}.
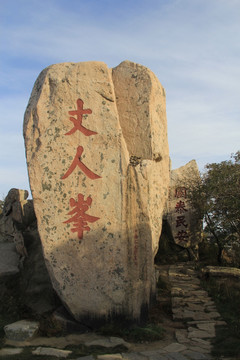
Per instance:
{"type": "Point", "coordinates": [98, 162]}
{"type": "Point", "coordinates": [185, 227]}
{"type": "Point", "coordinates": [17, 214]}
{"type": "Point", "coordinates": [9, 260]}
{"type": "Point", "coordinates": [15, 217]}
{"type": "Point", "coordinates": [23, 273]}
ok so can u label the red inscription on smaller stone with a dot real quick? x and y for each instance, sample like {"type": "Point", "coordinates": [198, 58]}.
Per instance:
{"type": "Point", "coordinates": [77, 122]}
{"type": "Point", "coordinates": [181, 192]}
{"type": "Point", "coordinates": [80, 219]}
{"type": "Point", "coordinates": [180, 207]}
{"type": "Point", "coordinates": [77, 162]}
{"type": "Point", "coordinates": [182, 235]}
{"type": "Point", "coordinates": [181, 221]}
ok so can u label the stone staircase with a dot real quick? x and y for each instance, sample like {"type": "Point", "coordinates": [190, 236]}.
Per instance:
{"type": "Point", "coordinates": [192, 305]}
{"type": "Point", "coordinates": [192, 308]}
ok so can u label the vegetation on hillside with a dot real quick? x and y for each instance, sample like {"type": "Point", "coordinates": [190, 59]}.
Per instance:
{"type": "Point", "coordinates": [216, 199]}
{"type": "Point", "coordinates": [226, 295]}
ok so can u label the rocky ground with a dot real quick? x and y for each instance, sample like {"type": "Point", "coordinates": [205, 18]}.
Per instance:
{"type": "Point", "coordinates": [189, 335]}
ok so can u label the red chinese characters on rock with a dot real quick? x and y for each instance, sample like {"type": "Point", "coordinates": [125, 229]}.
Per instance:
{"type": "Point", "coordinates": [181, 192]}
{"type": "Point", "coordinates": [182, 235]}
{"type": "Point", "coordinates": [77, 122]}
{"type": "Point", "coordinates": [77, 162]}
{"type": "Point", "coordinates": [80, 219]}
{"type": "Point", "coordinates": [181, 221]}
{"type": "Point", "coordinates": [180, 208]}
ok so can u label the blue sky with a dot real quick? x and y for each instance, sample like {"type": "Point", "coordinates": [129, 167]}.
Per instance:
{"type": "Point", "coordinates": [192, 46]}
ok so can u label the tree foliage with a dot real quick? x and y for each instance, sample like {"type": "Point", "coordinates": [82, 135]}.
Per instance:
{"type": "Point", "coordinates": [216, 199]}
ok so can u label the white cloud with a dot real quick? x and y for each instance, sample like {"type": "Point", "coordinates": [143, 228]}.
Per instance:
{"type": "Point", "coordinates": [192, 47]}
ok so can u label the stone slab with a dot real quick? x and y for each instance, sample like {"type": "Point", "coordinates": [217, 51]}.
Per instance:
{"type": "Point", "coordinates": [52, 352]}
{"type": "Point", "coordinates": [152, 352]}
{"type": "Point", "coordinates": [195, 307]}
{"type": "Point", "coordinates": [89, 357]}
{"type": "Point", "coordinates": [174, 347]}
{"type": "Point", "coordinates": [199, 315]}
{"type": "Point", "coordinates": [134, 356]}
{"type": "Point", "coordinates": [10, 351]}
{"type": "Point", "coordinates": [110, 357]}
{"type": "Point", "coordinates": [21, 330]}
{"type": "Point", "coordinates": [196, 322]}
{"type": "Point", "coordinates": [193, 333]}
{"type": "Point", "coordinates": [158, 356]}
{"type": "Point", "coordinates": [182, 336]}
{"type": "Point", "coordinates": [199, 293]}
{"type": "Point", "coordinates": [199, 349]}
{"type": "Point", "coordinates": [210, 327]}
{"type": "Point", "coordinates": [177, 292]}
{"type": "Point", "coordinates": [176, 356]}
{"type": "Point", "coordinates": [202, 343]}
{"type": "Point", "coordinates": [178, 315]}
{"type": "Point", "coordinates": [186, 285]}
{"type": "Point", "coordinates": [195, 355]}
{"type": "Point", "coordinates": [220, 323]}
{"type": "Point", "coordinates": [108, 342]}
{"type": "Point", "coordinates": [194, 299]}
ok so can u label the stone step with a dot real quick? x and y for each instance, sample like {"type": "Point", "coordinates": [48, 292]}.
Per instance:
{"type": "Point", "coordinates": [192, 305]}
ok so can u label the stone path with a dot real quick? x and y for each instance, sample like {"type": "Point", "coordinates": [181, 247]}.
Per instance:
{"type": "Point", "coordinates": [191, 306]}
{"type": "Point", "coordinates": [195, 309]}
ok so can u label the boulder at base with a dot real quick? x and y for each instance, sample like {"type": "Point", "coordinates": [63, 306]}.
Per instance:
{"type": "Point", "coordinates": [98, 163]}
{"type": "Point", "coordinates": [21, 330]}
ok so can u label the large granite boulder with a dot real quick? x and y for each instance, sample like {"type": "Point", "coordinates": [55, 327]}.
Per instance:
{"type": "Point", "coordinates": [98, 163]}
{"type": "Point", "coordinates": [185, 226]}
